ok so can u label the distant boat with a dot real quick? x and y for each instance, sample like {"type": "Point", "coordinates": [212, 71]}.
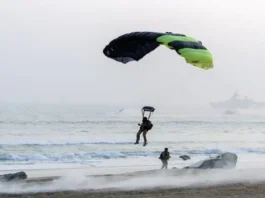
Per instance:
{"type": "Point", "coordinates": [237, 102]}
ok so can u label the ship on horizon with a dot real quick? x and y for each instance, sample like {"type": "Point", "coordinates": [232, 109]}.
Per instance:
{"type": "Point", "coordinates": [237, 102]}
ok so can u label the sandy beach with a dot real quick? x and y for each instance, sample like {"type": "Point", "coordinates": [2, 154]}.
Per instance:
{"type": "Point", "coordinates": [235, 190]}
{"type": "Point", "coordinates": [147, 184]}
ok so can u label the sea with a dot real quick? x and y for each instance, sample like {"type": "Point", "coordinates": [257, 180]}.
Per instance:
{"type": "Point", "coordinates": [102, 137]}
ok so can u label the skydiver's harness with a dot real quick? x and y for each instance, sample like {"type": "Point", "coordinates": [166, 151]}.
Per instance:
{"type": "Point", "coordinates": [146, 125]}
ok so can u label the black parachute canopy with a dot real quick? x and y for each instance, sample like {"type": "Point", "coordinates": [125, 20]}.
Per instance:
{"type": "Point", "coordinates": [148, 108]}
{"type": "Point", "coordinates": [134, 46]}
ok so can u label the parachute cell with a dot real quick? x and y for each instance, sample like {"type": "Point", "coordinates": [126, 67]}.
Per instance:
{"type": "Point", "coordinates": [134, 46]}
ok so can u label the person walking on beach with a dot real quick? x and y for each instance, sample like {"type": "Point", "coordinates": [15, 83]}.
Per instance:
{"type": "Point", "coordinates": [164, 157]}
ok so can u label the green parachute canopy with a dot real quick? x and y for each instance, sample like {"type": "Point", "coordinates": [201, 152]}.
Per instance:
{"type": "Point", "coordinates": [134, 46]}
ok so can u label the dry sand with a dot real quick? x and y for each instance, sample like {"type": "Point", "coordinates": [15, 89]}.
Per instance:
{"type": "Point", "coordinates": [243, 184]}
{"type": "Point", "coordinates": [235, 191]}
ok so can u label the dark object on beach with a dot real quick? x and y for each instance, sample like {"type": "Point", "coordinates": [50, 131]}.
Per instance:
{"type": "Point", "coordinates": [13, 176]}
{"type": "Point", "coordinates": [225, 161]}
{"type": "Point", "coordinates": [184, 157]}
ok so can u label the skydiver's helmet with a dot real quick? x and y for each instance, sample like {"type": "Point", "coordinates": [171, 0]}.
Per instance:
{"type": "Point", "coordinates": [166, 149]}
{"type": "Point", "coordinates": [144, 119]}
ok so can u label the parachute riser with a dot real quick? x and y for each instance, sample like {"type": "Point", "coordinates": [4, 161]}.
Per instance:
{"type": "Point", "coordinates": [150, 113]}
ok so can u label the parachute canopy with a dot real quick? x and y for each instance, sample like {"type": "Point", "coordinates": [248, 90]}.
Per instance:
{"type": "Point", "coordinates": [148, 109]}
{"type": "Point", "coordinates": [134, 46]}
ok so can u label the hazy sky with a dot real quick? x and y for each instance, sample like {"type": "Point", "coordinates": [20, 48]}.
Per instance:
{"type": "Point", "coordinates": [51, 51]}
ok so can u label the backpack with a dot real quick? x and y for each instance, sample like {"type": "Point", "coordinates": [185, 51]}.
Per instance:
{"type": "Point", "coordinates": [161, 156]}
{"type": "Point", "coordinates": [149, 125]}
{"type": "Point", "coordinates": [164, 156]}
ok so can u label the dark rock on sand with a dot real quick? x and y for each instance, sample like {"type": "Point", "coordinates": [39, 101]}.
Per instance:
{"type": "Point", "coordinates": [13, 176]}
{"type": "Point", "coordinates": [184, 157]}
{"type": "Point", "coordinates": [225, 161]}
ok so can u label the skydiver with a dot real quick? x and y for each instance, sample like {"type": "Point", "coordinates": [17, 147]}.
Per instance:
{"type": "Point", "coordinates": [144, 128]}
{"type": "Point", "coordinates": [164, 157]}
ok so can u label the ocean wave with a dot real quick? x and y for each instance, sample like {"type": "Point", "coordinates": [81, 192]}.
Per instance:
{"type": "Point", "coordinates": [76, 143]}
{"type": "Point", "coordinates": [218, 151]}
{"type": "Point", "coordinates": [89, 157]}
{"type": "Point", "coordinates": [66, 143]}
{"type": "Point", "coordinates": [125, 121]}
{"type": "Point", "coordinates": [72, 157]}
{"type": "Point", "coordinates": [43, 122]}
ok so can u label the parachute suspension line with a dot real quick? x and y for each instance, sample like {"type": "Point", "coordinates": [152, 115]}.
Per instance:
{"type": "Point", "coordinates": [150, 113]}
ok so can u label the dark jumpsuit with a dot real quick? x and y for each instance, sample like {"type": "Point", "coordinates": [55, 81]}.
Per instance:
{"type": "Point", "coordinates": [143, 129]}
{"type": "Point", "coordinates": [164, 156]}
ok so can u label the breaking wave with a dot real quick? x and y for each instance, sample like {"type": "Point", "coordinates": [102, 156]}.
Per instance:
{"type": "Point", "coordinates": [90, 157]}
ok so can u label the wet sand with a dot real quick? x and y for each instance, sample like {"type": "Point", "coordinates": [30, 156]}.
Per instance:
{"type": "Point", "coordinates": [234, 191]}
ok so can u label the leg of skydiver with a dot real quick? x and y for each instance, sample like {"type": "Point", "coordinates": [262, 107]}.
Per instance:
{"type": "Point", "coordinates": [163, 164]}
{"type": "Point", "coordinates": [138, 137]}
{"type": "Point", "coordinates": [144, 135]}
{"type": "Point", "coordinates": [166, 164]}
